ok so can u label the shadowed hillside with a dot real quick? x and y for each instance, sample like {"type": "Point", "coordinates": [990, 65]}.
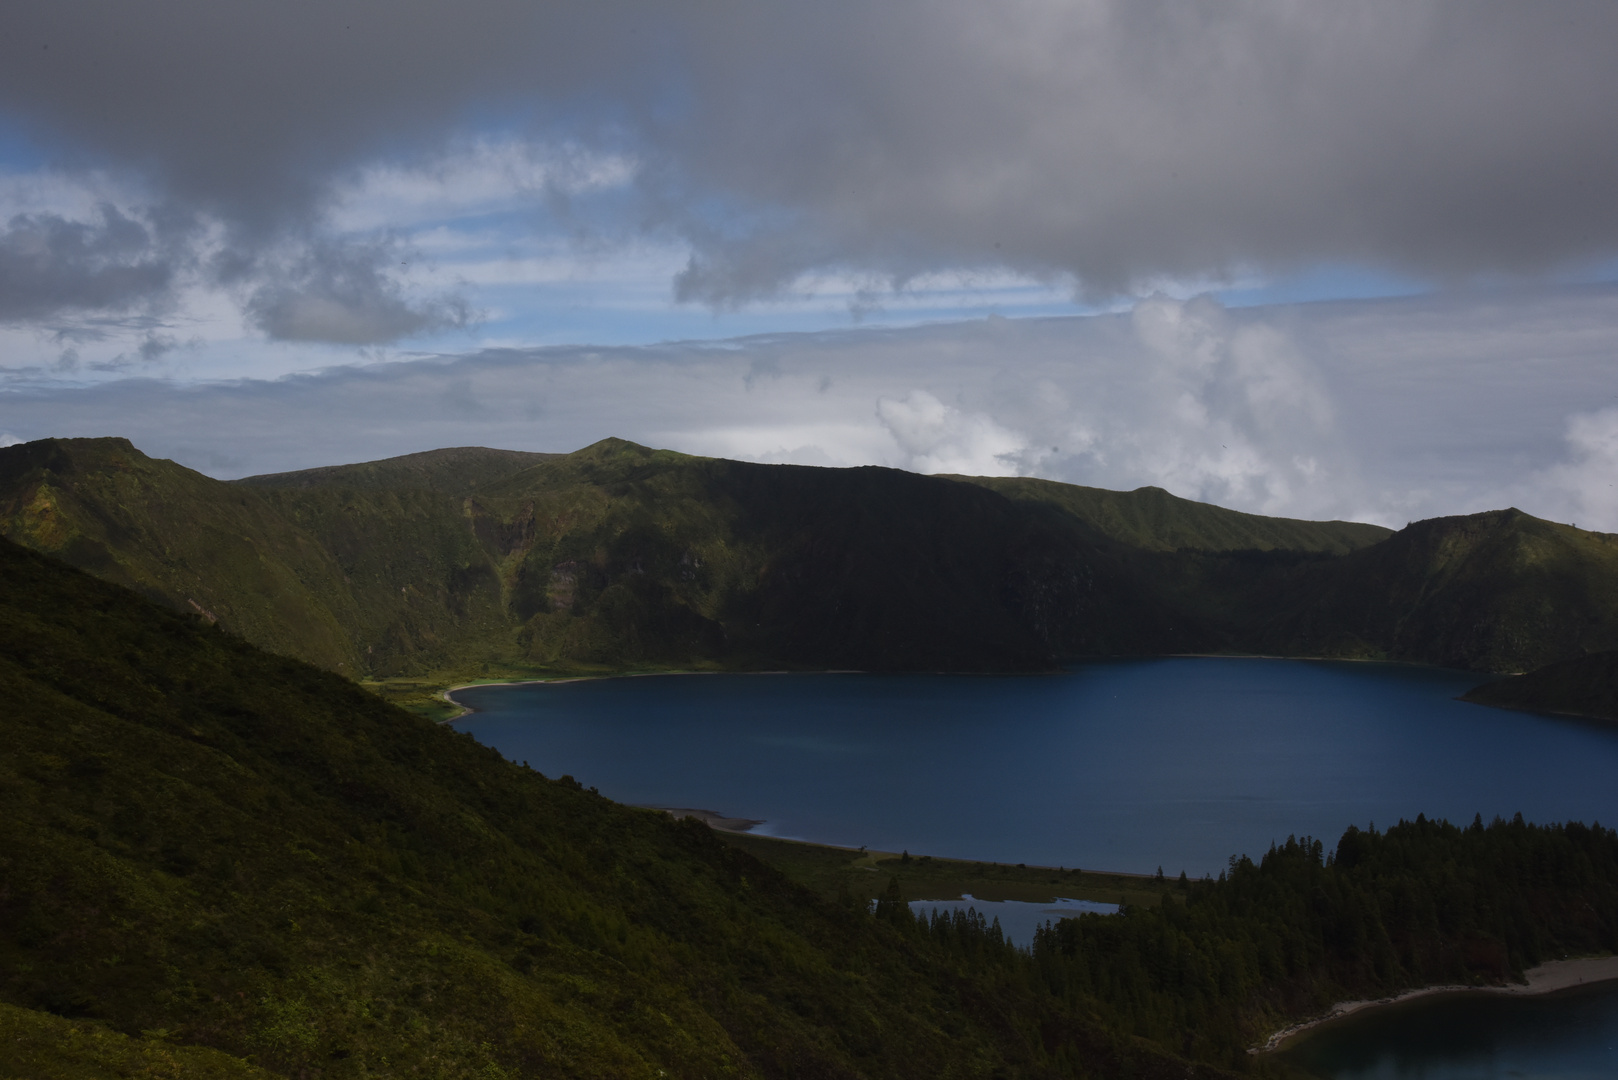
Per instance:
{"type": "Point", "coordinates": [218, 861]}
{"type": "Point", "coordinates": [1151, 519]}
{"type": "Point", "coordinates": [613, 557]}
{"type": "Point", "coordinates": [1498, 591]}
{"type": "Point", "coordinates": [473, 562]}
{"type": "Point", "coordinates": [1584, 686]}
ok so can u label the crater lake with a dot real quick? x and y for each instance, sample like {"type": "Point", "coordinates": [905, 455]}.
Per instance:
{"type": "Point", "coordinates": [1125, 765]}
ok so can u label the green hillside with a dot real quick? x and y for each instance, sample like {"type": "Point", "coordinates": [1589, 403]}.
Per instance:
{"type": "Point", "coordinates": [801, 567]}
{"type": "Point", "coordinates": [182, 538]}
{"type": "Point", "coordinates": [455, 470]}
{"type": "Point", "coordinates": [208, 846]}
{"type": "Point", "coordinates": [1584, 686]}
{"type": "Point", "coordinates": [1151, 519]}
{"type": "Point", "coordinates": [611, 558]}
{"type": "Point", "coordinates": [470, 563]}
{"type": "Point", "coordinates": [1498, 591]}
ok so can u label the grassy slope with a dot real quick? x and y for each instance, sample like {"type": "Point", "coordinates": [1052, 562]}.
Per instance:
{"type": "Point", "coordinates": [792, 566]}
{"type": "Point", "coordinates": [1151, 519]}
{"type": "Point", "coordinates": [1498, 591]}
{"type": "Point", "coordinates": [1585, 686]}
{"type": "Point", "coordinates": [40, 1046]}
{"type": "Point", "coordinates": [178, 536]}
{"type": "Point", "coordinates": [245, 853]}
{"type": "Point", "coordinates": [456, 470]}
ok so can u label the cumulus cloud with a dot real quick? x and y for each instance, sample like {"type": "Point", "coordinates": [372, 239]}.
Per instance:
{"type": "Point", "coordinates": [342, 293]}
{"type": "Point", "coordinates": [1103, 142]}
{"type": "Point", "coordinates": [1583, 488]}
{"type": "Point", "coordinates": [1225, 411]}
{"type": "Point", "coordinates": [939, 438]}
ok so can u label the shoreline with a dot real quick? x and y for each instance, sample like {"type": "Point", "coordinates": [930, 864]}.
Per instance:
{"type": "Point", "coordinates": [467, 710]}
{"type": "Point", "coordinates": [1547, 978]}
{"type": "Point", "coordinates": [1063, 669]}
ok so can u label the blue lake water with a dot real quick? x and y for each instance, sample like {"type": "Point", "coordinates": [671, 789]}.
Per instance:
{"type": "Point", "coordinates": [1126, 765]}
{"type": "Point", "coordinates": [1567, 1036]}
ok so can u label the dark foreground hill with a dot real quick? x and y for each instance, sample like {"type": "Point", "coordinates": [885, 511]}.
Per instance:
{"type": "Point", "coordinates": [218, 862]}
{"type": "Point", "coordinates": [471, 562]}
{"type": "Point", "coordinates": [210, 846]}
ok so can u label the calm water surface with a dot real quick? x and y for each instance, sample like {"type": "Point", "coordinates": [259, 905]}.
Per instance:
{"type": "Point", "coordinates": [1567, 1036]}
{"type": "Point", "coordinates": [1128, 765]}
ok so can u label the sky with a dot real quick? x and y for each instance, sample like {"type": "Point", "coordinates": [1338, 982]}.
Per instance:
{"type": "Point", "coordinates": [1354, 260]}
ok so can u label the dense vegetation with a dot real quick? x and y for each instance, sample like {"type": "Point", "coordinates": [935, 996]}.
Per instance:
{"type": "Point", "coordinates": [218, 861]}
{"type": "Point", "coordinates": [467, 563]}
{"type": "Point", "coordinates": [1151, 519]}
{"type": "Point", "coordinates": [1425, 903]}
{"type": "Point", "coordinates": [207, 845]}
{"type": "Point", "coordinates": [617, 556]}
{"type": "Point", "coordinates": [1585, 686]}
{"type": "Point", "coordinates": [1497, 591]}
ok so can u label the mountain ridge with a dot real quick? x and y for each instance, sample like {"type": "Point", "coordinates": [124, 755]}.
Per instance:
{"type": "Point", "coordinates": [470, 562]}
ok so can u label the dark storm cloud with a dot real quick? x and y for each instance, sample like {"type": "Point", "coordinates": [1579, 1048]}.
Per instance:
{"type": "Point", "coordinates": [50, 265]}
{"type": "Point", "coordinates": [1108, 140]}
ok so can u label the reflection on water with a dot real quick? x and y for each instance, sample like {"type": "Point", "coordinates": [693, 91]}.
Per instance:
{"type": "Point", "coordinates": [1126, 765]}
{"type": "Point", "coordinates": [1567, 1036]}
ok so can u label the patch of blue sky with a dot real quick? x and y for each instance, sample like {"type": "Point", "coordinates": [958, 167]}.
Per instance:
{"type": "Point", "coordinates": [640, 312]}
{"type": "Point", "coordinates": [19, 151]}
{"type": "Point", "coordinates": [1597, 272]}
{"type": "Point", "coordinates": [1347, 281]}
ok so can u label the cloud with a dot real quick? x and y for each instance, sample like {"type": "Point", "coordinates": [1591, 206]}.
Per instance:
{"type": "Point", "coordinates": [1105, 143]}
{"type": "Point", "coordinates": [51, 265]}
{"type": "Point", "coordinates": [480, 174]}
{"type": "Point", "coordinates": [938, 438]}
{"type": "Point", "coordinates": [1581, 489]}
{"type": "Point", "coordinates": [340, 293]}
{"type": "Point", "coordinates": [1222, 410]}
{"type": "Point", "coordinates": [1378, 410]}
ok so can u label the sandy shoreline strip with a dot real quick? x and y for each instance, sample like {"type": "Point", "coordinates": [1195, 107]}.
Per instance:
{"type": "Point", "coordinates": [467, 710]}
{"type": "Point", "coordinates": [1547, 978]}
